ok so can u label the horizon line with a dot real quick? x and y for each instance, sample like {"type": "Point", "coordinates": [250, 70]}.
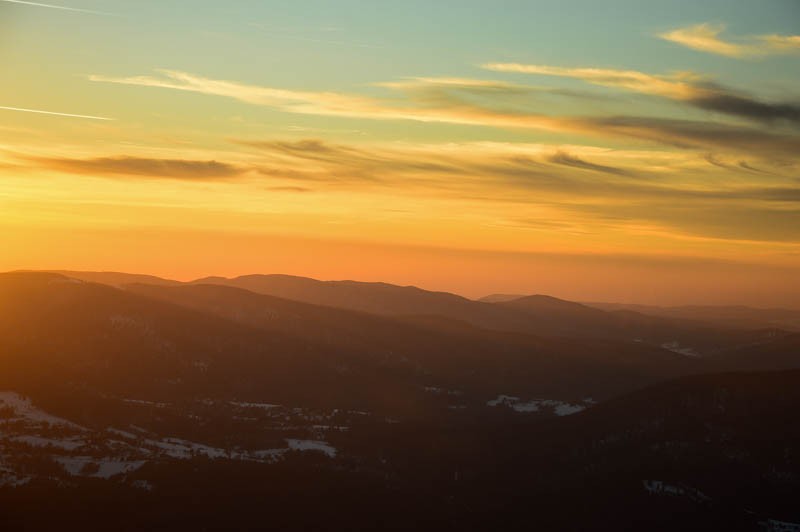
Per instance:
{"type": "Point", "coordinates": [65, 272]}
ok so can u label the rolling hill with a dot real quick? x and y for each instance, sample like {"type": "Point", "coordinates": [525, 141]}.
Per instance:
{"type": "Point", "coordinates": [168, 344]}
{"type": "Point", "coordinates": [152, 396]}
{"type": "Point", "coordinates": [537, 315]}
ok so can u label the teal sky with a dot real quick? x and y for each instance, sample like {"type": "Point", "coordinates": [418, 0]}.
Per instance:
{"type": "Point", "coordinates": [347, 44]}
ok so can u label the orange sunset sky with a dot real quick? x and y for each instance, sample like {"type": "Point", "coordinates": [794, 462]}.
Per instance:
{"type": "Point", "coordinates": [615, 154]}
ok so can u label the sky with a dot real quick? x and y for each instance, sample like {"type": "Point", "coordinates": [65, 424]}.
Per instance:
{"type": "Point", "coordinates": [622, 150]}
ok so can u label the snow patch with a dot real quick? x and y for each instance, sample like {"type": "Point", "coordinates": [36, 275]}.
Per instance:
{"type": "Point", "coordinates": [559, 408]}
{"type": "Point", "coordinates": [269, 454]}
{"type": "Point", "coordinates": [145, 403]}
{"type": "Point", "coordinates": [9, 479]}
{"type": "Point", "coordinates": [122, 433]}
{"type": "Point", "coordinates": [36, 441]}
{"type": "Point", "coordinates": [441, 391]}
{"type": "Point", "coordinates": [675, 347]}
{"type": "Point", "coordinates": [87, 466]}
{"type": "Point", "coordinates": [24, 409]}
{"type": "Point", "coordinates": [143, 485]}
{"type": "Point", "coordinates": [263, 406]}
{"type": "Point", "coordinates": [184, 449]}
{"type": "Point", "coordinates": [503, 400]}
{"type": "Point", "coordinates": [659, 487]}
{"type": "Point", "coordinates": [312, 445]}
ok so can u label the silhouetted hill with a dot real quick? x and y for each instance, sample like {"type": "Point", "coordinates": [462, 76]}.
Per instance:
{"type": "Point", "coordinates": [538, 315]}
{"type": "Point", "coordinates": [689, 337]}
{"type": "Point", "coordinates": [115, 278]}
{"type": "Point", "coordinates": [168, 344]}
{"type": "Point", "coordinates": [543, 306]}
{"type": "Point", "coordinates": [57, 330]}
{"type": "Point", "coordinates": [169, 393]}
{"type": "Point", "coordinates": [500, 298]}
{"type": "Point", "coordinates": [172, 343]}
{"type": "Point", "coordinates": [376, 298]}
{"type": "Point", "coordinates": [447, 354]}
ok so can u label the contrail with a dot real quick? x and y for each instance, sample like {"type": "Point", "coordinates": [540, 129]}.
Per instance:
{"type": "Point", "coordinates": [63, 8]}
{"type": "Point", "coordinates": [51, 112]}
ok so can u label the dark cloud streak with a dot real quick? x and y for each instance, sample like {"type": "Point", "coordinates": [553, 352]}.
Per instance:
{"type": "Point", "coordinates": [722, 100]}
{"type": "Point", "coordinates": [144, 167]}
{"type": "Point", "coordinates": [566, 159]}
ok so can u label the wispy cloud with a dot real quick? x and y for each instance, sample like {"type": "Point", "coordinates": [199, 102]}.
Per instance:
{"type": "Point", "coordinates": [683, 86]}
{"type": "Point", "coordinates": [141, 167]}
{"type": "Point", "coordinates": [787, 43]}
{"type": "Point", "coordinates": [677, 86]}
{"type": "Point", "coordinates": [706, 38]}
{"type": "Point", "coordinates": [567, 159]}
{"type": "Point", "coordinates": [338, 104]}
{"type": "Point", "coordinates": [493, 104]}
{"type": "Point", "coordinates": [701, 135]}
{"type": "Point", "coordinates": [580, 188]}
{"type": "Point", "coordinates": [459, 83]}
{"type": "Point", "coordinates": [61, 8]}
{"type": "Point", "coordinates": [297, 101]}
{"type": "Point", "coordinates": [53, 113]}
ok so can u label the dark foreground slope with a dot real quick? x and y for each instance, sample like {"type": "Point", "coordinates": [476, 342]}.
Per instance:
{"type": "Point", "coordinates": [726, 445]}
{"type": "Point", "coordinates": [717, 452]}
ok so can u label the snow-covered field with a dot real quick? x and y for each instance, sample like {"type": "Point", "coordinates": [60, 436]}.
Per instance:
{"type": "Point", "coordinates": [675, 347]}
{"type": "Point", "coordinates": [559, 408]}
{"type": "Point", "coordinates": [90, 466]}
{"type": "Point", "coordinates": [442, 391]}
{"type": "Point", "coordinates": [24, 410]}
{"type": "Point", "coordinates": [312, 445]}
{"type": "Point", "coordinates": [659, 487]}
{"type": "Point", "coordinates": [30, 435]}
{"type": "Point", "coordinates": [8, 477]}
{"type": "Point", "coordinates": [69, 444]}
{"type": "Point", "coordinates": [262, 406]}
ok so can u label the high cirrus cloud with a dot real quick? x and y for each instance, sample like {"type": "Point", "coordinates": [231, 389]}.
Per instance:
{"type": "Point", "coordinates": [338, 104]}
{"type": "Point", "coordinates": [496, 104]}
{"type": "Point", "coordinates": [565, 171]}
{"type": "Point", "coordinates": [60, 8]}
{"type": "Point", "coordinates": [706, 38]}
{"type": "Point", "coordinates": [142, 167]}
{"type": "Point", "coordinates": [685, 87]}
{"type": "Point", "coordinates": [681, 192]}
{"type": "Point", "coordinates": [578, 186]}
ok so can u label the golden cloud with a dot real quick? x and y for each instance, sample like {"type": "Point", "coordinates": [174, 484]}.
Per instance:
{"type": "Point", "coordinates": [706, 38]}
{"type": "Point", "coordinates": [452, 107]}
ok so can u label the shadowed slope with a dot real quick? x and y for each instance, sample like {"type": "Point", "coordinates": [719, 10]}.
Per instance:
{"type": "Point", "coordinates": [724, 316]}
{"type": "Point", "coordinates": [447, 354]}
{"type": "Point", "coordinates": [538, 315]}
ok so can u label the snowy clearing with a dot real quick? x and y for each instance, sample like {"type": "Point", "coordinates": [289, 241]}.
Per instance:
{"type": "Point", "coordinates": [312, 445]}
{"type": "Point", "coordinates": [559, 408]}
{"type": "Point", "coordinates": [24, 409]}
{"type": "Point", "coordinates": [87, 466]}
